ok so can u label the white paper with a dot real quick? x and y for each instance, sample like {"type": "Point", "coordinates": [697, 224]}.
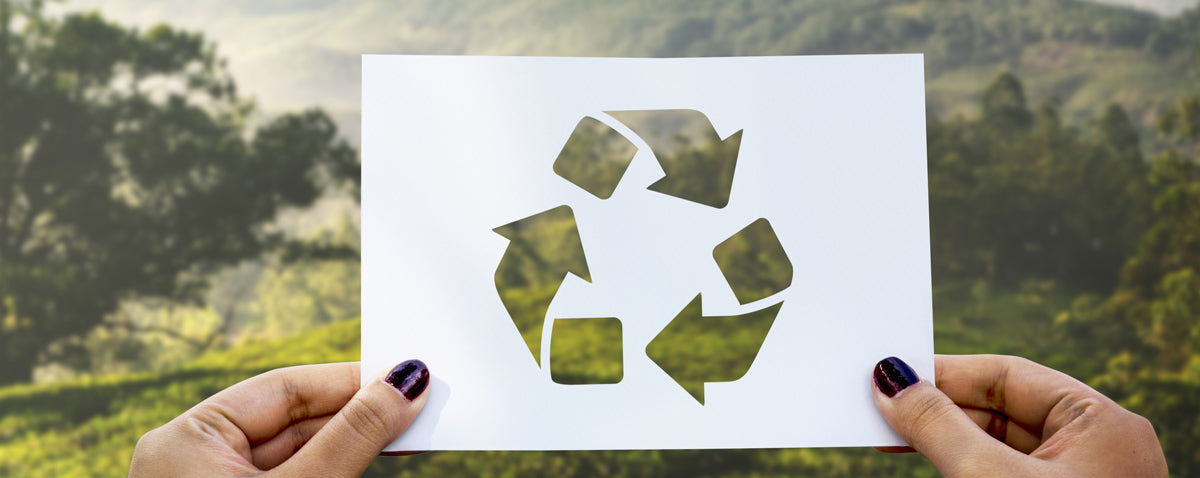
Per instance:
{"type": "Point", "coordinates": [832, 153]}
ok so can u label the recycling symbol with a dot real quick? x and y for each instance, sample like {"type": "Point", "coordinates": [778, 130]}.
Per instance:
{"type": "Point", "coordinates": [693, 348]}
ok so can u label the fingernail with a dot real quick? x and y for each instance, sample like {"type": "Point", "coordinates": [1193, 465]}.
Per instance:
{"type": "Point", "coordinates": [410, 378]}
{"type": "Point", "coordinates": [893, 375]}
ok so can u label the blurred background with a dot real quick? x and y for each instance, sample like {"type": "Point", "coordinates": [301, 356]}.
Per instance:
{"type": "Point", "coordinates": [178, 198]}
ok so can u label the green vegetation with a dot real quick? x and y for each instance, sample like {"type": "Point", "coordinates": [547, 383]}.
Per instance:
{"type": "Point", "coordinates": [128, 169]}
{"type": "Point", "coordinates": [595, 157]}
{"type": "Point", "coordinates": [754, 262]}
{"type": "Point", "coordinates": [1136, 344]}
{"type": "Point", "coordinates": [1017, 194]}
{"type": "Point", "coordinates": [88, 427]}
{"type": "Point", "coordinates": [586, 351]}
{"type": "Point", "coordinates": [1065, 229]}
{"type": "Point", "coordinates": [542, 250]}
{"type": "Point", "coordinates": [695, 348]}
{"type": "Point", "coordinates": [1083, 54]}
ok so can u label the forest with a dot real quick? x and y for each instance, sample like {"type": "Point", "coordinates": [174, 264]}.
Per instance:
{"type": "Point", "coordinates": [150, 253]}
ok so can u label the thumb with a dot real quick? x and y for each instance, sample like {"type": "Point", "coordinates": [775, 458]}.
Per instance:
{"type": "Point", "coordinates": [935, 427]}
{"type": "Point", "coordinates": [375, 416]}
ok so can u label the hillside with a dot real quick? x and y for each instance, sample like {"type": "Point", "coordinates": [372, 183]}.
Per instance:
{"type": "Point", "coordinates": [1084, 54]}
{"type": "Point", "coordinates": [88, 427]}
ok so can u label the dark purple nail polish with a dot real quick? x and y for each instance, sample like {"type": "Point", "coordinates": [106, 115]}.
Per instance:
{"type": "Point", "coordinates": [893, 375]}
{"type": "Point", "coordinates": [410, 378]}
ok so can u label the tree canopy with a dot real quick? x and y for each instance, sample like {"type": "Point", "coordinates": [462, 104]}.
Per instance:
{"type": "Point", "coordinates": [1016, 195]}
{"type": "Point", "coordinates": [129, 167]}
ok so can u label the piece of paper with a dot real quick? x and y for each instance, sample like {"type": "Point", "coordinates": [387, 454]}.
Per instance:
{"type": "Point", "coordinates": [602, 253]}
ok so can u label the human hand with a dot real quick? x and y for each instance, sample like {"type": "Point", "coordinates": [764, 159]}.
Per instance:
{"type": "Point", "coordinates": [992, 415]}
{"type": "Point", "coordinates": [310, 420]}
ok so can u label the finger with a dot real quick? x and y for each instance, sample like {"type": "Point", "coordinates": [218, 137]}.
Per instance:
{"type": "Point", "coordinates": [996, 425]}
{"type": "Point", "coordinates": [1006, 431]}
{"type": "Point", "coordinates": [264, 405]}
{"type": "Point", "coordinates": [934, 426]}
{"type": "Point", "coordinates": [1018, 388]}
{"type": "Point", "coordinates": [281, 447]}
{"type": "Point", "coordinates": [372, 419]}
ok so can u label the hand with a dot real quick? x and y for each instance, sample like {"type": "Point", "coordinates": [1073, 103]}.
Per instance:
{"type": "Point", "coordinates": [995, 415]}
{"type": "Point", "coordinates": [311, 420]}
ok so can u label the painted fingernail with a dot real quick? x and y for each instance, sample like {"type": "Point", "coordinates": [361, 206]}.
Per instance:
{"type": "Point", "coordinates": [410, 378]}
{"type": "Point", "coordinates": [893, 375]}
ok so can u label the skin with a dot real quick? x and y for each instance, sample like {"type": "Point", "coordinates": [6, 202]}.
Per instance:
{"type": "Point", "coordinates": [993, 415]}
{"type": "Point", "coordinates": [311, 420]}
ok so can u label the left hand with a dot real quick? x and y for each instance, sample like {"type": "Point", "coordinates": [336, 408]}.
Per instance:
{"type": "Point", "coordinates": [310, 420]}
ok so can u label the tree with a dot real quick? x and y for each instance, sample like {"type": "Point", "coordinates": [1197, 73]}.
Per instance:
{"type": "Point", "coordinates": [1183, 119]}
{"type": "Point", "coordinates": [1004, 107]}
{"type": "Point", "coordinates": [1149, 327]}
{"type": "Point", "coordinates": [1016, 195]}
{"type": "Point", "coordinates": [300, 293]}
{"type": "Point", "coordinates": [128, 168]}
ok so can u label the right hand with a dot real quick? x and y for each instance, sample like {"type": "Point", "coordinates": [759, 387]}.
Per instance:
{"type": "Point", "coordinates": [992, 415]}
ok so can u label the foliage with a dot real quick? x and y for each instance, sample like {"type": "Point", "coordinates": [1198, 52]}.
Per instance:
{"type": "Point", "coordinates": [88, 426]}
{"type": "Point", "coordinates": [1082, 53]}
{"type": "Point", "coordinates": [1017, 195]}
{"type": "Point", "coordinates": [138, 336]}
{"type": "Point", "coordinates": [309, 284]}
{"type": "Point", "coordinates": [1183, 119]}
{"type": "Point", "coordinates": [297, 293]}
{"type": "Point", "coordinates": [1149, 327]}
{"type": "Point", "coordinates": [127, 169]}
{"type": "Point", "coordinates": [1178, 34]}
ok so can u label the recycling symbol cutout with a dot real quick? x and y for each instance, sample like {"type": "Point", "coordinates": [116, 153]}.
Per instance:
{"type": "Point", "coordinates": [693, 349]}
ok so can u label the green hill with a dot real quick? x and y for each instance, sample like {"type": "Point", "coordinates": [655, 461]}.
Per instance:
{"type": "Point", "coordinates": [1084, 54]}
{"type": "Point", "coordinates": [89, 427]}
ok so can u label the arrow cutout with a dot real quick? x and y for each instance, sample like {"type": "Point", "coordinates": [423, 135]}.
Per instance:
{"type": "Point", "coordinates": [542, 250]}
{"type": "Point", "coordinates": [699, 165]}
{"type": "Point", "coordinates": [694, 349]}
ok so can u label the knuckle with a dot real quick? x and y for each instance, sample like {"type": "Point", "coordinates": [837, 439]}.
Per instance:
{"type": "Point", "coordinates": [922, 417]}
{"type": "Point", "coordinates": [1077, 405]}
{"type": "Point", "coordinates": [1142, 426]}
{"type": "Point", "coordinates": [151, 451]}
{"type": "Point", "coordinates": [1017, 361]}
{"type": "Point", "coordinates": [369, 421]}
{"type": "Point", "coordinates": [1145, 424]}
{"type": "Point", "coordinates": [270, 376]}
{"type": "Point", "coordinates": [298, 436]}
{"type": "Point", "coordinates": [298, 406]}
{"type": "Point", "coordinates": [149, 441]}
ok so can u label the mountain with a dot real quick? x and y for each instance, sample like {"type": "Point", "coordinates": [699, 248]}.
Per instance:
{"type": "Point", "coordinates": [294, 54]}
